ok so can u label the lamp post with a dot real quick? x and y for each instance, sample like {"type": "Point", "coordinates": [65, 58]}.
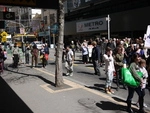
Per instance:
{"type": "Point", "coordinates": [108, 25]}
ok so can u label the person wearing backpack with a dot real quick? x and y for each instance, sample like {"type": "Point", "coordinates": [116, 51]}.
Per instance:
{"type": "Point", "coordinates": [34, 53]}
{"type": "Point", "coordinates": [46, 50]}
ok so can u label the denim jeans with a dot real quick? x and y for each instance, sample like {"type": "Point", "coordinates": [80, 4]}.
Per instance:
{"type": "Point", "coordinates": [139, 91]}
{"type": "Point", "coordinates": [109, 78]}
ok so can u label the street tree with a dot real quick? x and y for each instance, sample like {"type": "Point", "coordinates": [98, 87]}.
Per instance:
{"type": "Point", "coordinates": [58, 70]}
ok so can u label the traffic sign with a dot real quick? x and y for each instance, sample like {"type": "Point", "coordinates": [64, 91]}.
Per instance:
{"type": "Point", "coordinates": [7, 15]}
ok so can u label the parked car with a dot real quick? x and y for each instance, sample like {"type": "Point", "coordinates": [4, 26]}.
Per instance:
{"type": "Point", "coordinates": [38, 44]}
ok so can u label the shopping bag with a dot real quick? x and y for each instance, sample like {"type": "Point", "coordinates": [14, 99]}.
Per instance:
{"type": "Point", "coordinates": [128, 79]}
{"type": "Point", "coordinates": [46, 56]}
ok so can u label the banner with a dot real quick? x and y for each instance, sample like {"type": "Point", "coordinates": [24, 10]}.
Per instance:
{"type": "Point", "coordinates": [147, 38]}
{"type": "Point", "coordinates": [92, 25]}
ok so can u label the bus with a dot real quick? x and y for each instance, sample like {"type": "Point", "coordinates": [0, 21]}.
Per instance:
{"type": "Point", "coordinates": [26, 39]}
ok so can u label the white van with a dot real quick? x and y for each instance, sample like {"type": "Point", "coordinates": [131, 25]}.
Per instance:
{"type": "Point", "coordinates": [9, 39]}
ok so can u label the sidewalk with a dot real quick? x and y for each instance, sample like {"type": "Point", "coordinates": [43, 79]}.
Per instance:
{"type": "Point", "coordinates": [32, 91]}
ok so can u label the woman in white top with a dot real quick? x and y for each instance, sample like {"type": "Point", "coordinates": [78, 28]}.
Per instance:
{"type": "Point", "coordinates": [142, 65]}
{"type": "Point", "coordinates": [109, 68]}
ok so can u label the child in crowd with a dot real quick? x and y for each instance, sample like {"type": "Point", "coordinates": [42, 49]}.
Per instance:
{"type": "Point", "coordinates": [142, 69]}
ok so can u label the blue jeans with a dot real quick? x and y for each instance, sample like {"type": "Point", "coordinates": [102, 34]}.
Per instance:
{"type": "Point", "coordinates": [139, 91]}
{"type": "Point", "coordinates": [109, 78]}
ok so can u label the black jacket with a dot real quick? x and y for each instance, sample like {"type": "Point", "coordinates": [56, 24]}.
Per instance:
{"type": "Point", "coordinates": [96, 53]}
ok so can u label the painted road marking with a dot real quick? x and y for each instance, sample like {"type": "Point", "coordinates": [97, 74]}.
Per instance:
{"type": "Point", "coordinates": [75, 86]}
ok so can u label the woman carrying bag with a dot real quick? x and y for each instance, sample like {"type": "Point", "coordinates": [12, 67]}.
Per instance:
{"type": "Point", "coordinates": [134, 68]}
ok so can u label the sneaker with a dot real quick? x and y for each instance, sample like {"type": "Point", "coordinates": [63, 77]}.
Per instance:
{"type": "Point", "coordinates": [137, 105]}
{"type": "Point", "coordinates": [145, 105]}
{"type": "Point", "coordinates": [71, 74]}
{"type": "Point", "coordinates": [67, 74]}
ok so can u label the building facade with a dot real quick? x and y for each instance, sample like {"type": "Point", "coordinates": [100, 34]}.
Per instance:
{"type": "Point", "coordinates": [128, 18]}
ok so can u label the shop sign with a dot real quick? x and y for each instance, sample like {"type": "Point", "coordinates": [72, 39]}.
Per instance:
{"type": "Point", "coordinates": [92, 25]}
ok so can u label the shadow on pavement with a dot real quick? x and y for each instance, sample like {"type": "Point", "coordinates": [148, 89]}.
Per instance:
{"type": "Point", "coordinates": [85, 73]}
{"type": "Point", "coordinates": [107, 105]}
{"type": "Point", "coordinates": [119, 99]}
{"type": "Point", "coordinates": [38, 76]}
{"type": "Point", "coordinates": [10, 102]}
{"type": "Point", "coordinates": [96, 88]}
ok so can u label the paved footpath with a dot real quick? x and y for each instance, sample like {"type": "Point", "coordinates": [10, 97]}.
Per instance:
{"type": "Point", "coordinates": [31, 90]}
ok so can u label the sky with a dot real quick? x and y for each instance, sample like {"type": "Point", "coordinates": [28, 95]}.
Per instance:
{"type": "Point", "coordinates": [34, 11]}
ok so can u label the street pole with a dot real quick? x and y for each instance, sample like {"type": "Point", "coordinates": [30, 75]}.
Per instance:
{"type": "Point", "coordinates": [49, 36]}
{"type": "Point", "coordinates": [108, 20]}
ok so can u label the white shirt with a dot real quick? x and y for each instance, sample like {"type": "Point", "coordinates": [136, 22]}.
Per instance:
{"type": "Point", "coordinates": [145, 76]}
{"type": "Point", "coordinates": [109, 63]}
{"type": "Point", "coordinates": [69, 55]}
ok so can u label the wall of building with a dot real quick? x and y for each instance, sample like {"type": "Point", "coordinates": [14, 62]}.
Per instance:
{"type": "Point", "coordinates": [127, 21]}
{"type": "Point", "coordinates": [133, 20]}
{"type": "Point", "coordinates": [50, 16]}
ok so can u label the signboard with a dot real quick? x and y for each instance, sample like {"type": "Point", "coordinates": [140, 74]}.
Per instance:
{"type": "Point", "coordinates": [7, 15]}
{"type": "Point", "coordinates": [22, 30]}
{"type": "Point", "coordinates": [147, 38]}
{"type": "Point", "coordinates": [92, 25]}
{"type": "Point", "coordinates": [54, 28]}
{"type": "Point", "coordinates": [46, 33]}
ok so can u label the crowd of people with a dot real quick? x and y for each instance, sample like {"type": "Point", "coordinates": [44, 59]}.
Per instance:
{"type": "Point", "coordinates": [111, 53]}
{"type": "Point", "coordinates": [114, 54]}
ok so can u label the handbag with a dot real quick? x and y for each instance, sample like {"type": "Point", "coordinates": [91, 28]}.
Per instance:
{"type": "Point", "coordinates": [128, 79]}
{"type": "Point", "coordinates": [46, 56]}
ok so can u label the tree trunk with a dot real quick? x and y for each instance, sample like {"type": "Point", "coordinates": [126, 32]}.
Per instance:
{"type": "Point", "coordinates": [58, 70]}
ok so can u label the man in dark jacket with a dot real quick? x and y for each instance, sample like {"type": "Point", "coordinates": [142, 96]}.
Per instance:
{"type": "Point", "coordinates": [96, 58]}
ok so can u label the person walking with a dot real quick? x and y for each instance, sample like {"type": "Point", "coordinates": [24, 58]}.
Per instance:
{"type": "Point", "coordinates": [73, 46]}
{"type": "Point", "coordinates": [118, 61]}
{"type": "Point", "coordinates": [34, 53]}
{"type": "Point", "coordinates": [46, 55]}
{"type": "Point", "coordinates": [109, 69]}
{"type": "Point", "coordinates": [1, 60]}
{"type": "Point", "coordinates": [27, 54]}
{"type": "Point", "coordinates": [142, 68]}
{"type": "Point", "coordinates": [69, 61]}
{"type": "Point", "coordinates": [134, 67]}
{"type": "Point", "coordinates": [15, 52]}
{"type": "Point", "coordinates": [96, 58]}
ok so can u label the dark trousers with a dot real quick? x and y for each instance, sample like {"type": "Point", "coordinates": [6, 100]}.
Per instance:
{"type": "Point", "coordinates": [27, 58]}
{"type": "Point", "coordinates": [85, 58]}
{"type": "Point", "coordinates": [141, 94]}
{"type": "Point", "coordinates": [44, 62]}
{"type": "Point", "coordinates": [96, 67]}
{"type": "Point", "coordinates": [15, 60]}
